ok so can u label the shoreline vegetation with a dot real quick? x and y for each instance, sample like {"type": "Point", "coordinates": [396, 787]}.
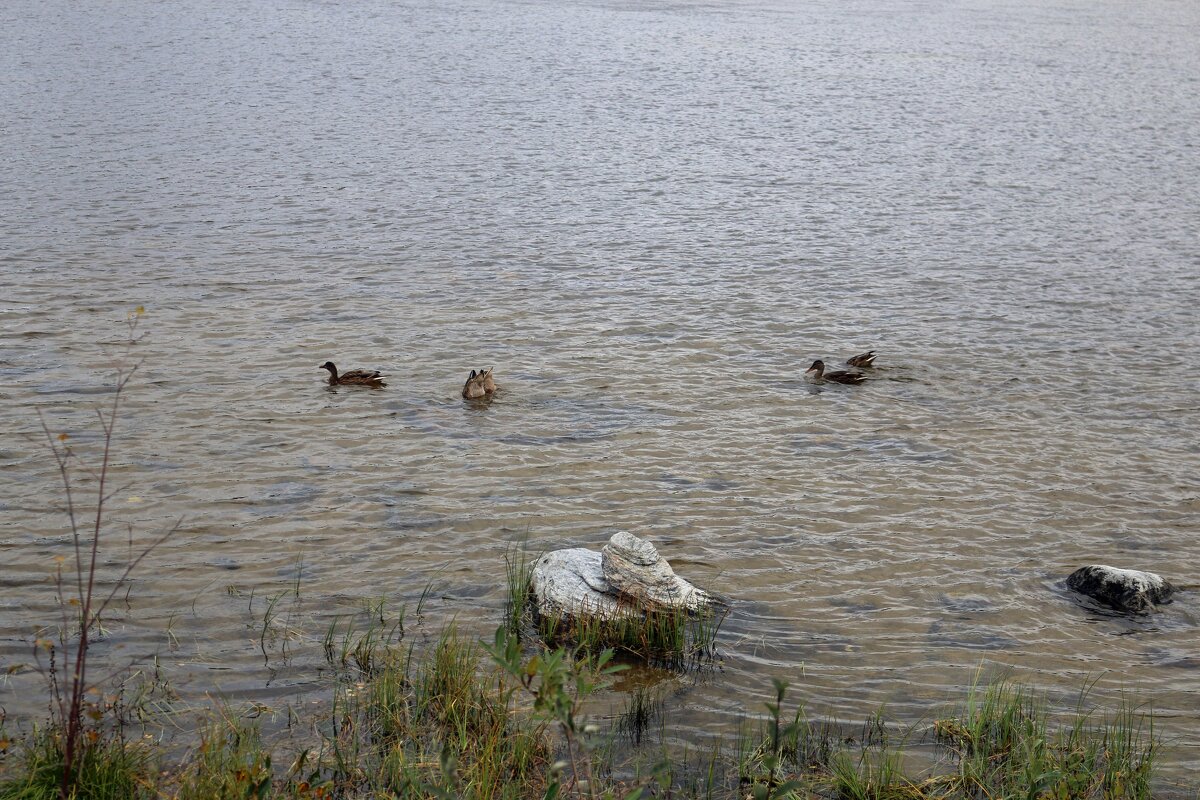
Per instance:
{"type": "Point", "coordinates": [417, 714]}
{"type": "Point", "coordinates": [512, 718]}
{"type": "Point", "coordinates": [449, 716]}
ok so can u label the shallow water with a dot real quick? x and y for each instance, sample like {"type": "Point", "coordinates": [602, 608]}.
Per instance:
{"type": "Point", "coordinates": [649, 217]}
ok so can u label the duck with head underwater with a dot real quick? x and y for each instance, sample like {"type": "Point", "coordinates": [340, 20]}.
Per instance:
{"type": "Point", "coordinates": [866, 359]}
{"type": "Point", "coordinates": [838, 376]}
{"type": "Point", "coordinates": [479, 384]}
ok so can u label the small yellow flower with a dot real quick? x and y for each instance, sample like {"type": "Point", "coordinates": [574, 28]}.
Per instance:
{"type": "Point", "coordinates": [140, 310]}
{"type": "Point", "coordinates": [62, 437]}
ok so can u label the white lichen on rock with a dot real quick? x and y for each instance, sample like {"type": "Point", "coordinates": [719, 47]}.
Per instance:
{"type": "Point", "coordinates": [626, 578]}
{"type": "Point", "coordinates": [633, 568]}
{"type": "Point", "coordinates": [1127, 590]}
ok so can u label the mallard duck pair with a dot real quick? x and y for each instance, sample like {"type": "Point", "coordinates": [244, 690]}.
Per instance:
{"type": "Point", "coordinates": [862, 361]}
{"type": "Point", "coordinates": [479, 384]}
{"type": "Point", "coordinates": [354, 377]}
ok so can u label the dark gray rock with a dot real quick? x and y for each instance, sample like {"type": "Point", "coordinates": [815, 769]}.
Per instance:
{"type": "Point", "coordinates": [1126, 590]}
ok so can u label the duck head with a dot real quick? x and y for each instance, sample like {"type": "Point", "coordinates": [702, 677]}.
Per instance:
{"type": "Point", "coordinates": [818, 368]}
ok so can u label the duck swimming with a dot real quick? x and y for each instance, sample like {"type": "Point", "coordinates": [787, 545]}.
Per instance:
{"type": "Point", "coordinates": [479, 384]}
{"type": "Point", "coordinates": [839, 376]}
{"type": "Point", "coordinates": [354, 377]}
{"type": "Point", "coordinates": [866, 359]}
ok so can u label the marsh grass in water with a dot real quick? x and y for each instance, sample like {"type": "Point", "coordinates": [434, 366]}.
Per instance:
{"type": "Point", "coordinates": [669, 637]}
{"type": "Point", "coordinates": [1005, 746]}
{"type": "Point", "coordinates": [230, 761]}
{"type": "Point", "coordinates": [643, 707]}
{"type": "Point", "coordinates": [518, 571]}
{"type": "Point", "coordinates": [464, 719]}
{"type": "Point", "coordinates": [425, 727]}
{"type": "Point", "coordinates": [106, 766]}
{"type": "Point", "coordinates": [349, 642]}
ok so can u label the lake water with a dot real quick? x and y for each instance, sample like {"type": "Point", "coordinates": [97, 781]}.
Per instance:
{"type": "Point", "coordinates": [649, 217]}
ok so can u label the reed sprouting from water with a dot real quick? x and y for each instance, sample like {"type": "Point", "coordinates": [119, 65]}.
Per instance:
{"type": "Point", "coordinates": [1005, 746]}
{"type": "Point", "coordinates": [672, 637]}
{"type": "Point", "coordinates": [441, 725]}
{"type": "Point", "coordinates": [518, 571]}
{"type": "Point", "coordinates": [230, 760]}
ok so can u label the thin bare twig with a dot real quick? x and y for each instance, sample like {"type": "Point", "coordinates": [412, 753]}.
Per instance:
{"type": "Point", "coordinates": [70, 686]}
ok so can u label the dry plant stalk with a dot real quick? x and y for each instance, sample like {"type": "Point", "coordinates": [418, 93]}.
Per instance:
{"type": "Point", "coordinates": [70, 687]}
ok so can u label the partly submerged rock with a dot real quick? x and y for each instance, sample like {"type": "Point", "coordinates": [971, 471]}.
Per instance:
{"type": "Point", "coordinates": [628, 577]}
{"type": "Point", "coordinates": [1126, 590]}
{"type": "Point", "coordinates": [569, 582]}
{"type": "Point", "coordinates": [634, 569]}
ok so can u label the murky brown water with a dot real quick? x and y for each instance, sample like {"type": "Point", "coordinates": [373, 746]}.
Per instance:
{"type": "Point", "coordinates": [649, 217]}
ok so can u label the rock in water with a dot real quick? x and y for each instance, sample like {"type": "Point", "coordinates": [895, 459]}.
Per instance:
{"type": "Point", "coordinates": [635, 570]}
{"type": "Point", "coordinates": [628, 577]}
{"type": "Point", "coordinates": [570, 582]}
{"type": "Point", "coordinates": [1123, 589]}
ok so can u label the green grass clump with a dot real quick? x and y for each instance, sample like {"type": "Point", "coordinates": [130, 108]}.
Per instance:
{"type": "Point", "coordinates": [873, 774]}
{"type": "Point", "coordinates": [230, 762]}
{"type": "Point", "coordinates": [446, 722]}
{"type": "Point", "coordinates": [1002, 745]}
{"type": "Point", "coordinates": [1005, 747]}
{"type": "Point", "coordinates": [518, 571]}
{"type": "Point", "coordinates": [106, 767]}
{"type": "Point", "coordinates": [669, 637]}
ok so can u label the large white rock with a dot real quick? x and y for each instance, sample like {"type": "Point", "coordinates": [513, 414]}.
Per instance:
{"type": "Point", "coordinates": [1126, 590]}
{"type": "Point", "coordinates": [568, 582]}
{"type": "Point", "coordinates": [634, 569]}
{"type": "Point", "coordinates": [626, 578]}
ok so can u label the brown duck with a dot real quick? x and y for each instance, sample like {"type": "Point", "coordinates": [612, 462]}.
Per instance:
{"type": "Point", "coordinates": [839, 376]}
{"type": "Point", "coordinates": [866, 359]}
{"type": "Point", "coordinates": [354, 377]}
{"type": "Point", "coordinates": [479, 384]}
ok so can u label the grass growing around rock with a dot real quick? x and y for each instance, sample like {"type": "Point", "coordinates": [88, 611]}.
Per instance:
{"type": "Point", "coordinates": [670, 637]}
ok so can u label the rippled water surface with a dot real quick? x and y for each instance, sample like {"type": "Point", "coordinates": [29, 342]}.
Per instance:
{"type": "Point", "coordinates": [649, 217]}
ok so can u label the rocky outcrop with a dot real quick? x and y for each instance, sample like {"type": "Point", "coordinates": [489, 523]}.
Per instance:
{"type": "Point", "coordinates": [1125, 590]}
{"type": "Point", "coordinates": [626, 578]}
